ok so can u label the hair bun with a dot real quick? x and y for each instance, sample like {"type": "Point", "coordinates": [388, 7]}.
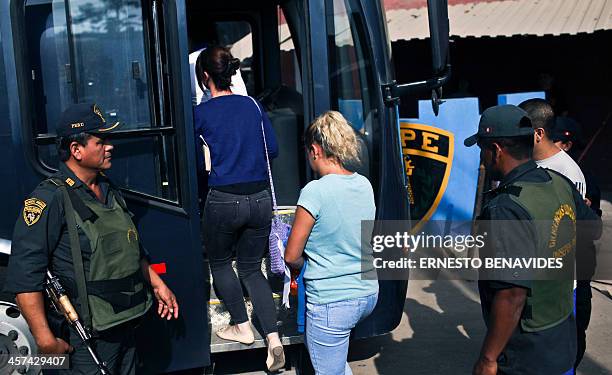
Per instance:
{"type": "Point", "coordinates": [234, 64]}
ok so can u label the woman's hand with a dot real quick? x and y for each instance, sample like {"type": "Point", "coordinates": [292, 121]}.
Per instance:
{"type": "Point", "coordinates": [300, 230]}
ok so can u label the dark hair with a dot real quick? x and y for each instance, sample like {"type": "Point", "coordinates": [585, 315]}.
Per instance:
{"type": "Point", "coordinates": [63, 144]}
{"type": "Point", "coordinates": [541, 114]}
{"type": "Point", "coordinates": [220, 65]}
{"type": "Point", "coordinates": [519, 148]}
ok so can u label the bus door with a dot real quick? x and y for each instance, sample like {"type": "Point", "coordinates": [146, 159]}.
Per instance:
{"type": "Point", "coordinates": [356, 40]}
{"type": "Point", "coordinates": [266, 37]}
{"type": "Point", "coordinates": [125, 55]}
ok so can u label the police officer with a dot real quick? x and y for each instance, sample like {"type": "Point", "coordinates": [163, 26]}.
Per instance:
{"type": "Point", "coordinates": [99, 260]}
{"type": "Point", "coordinates": [530, 325]}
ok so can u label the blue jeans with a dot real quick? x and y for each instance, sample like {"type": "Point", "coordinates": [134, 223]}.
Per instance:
{"type": "Point", "coordinates": [328, 328]}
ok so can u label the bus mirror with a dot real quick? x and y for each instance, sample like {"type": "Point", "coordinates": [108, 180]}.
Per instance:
{"type": "Point", "coordinates": [438, 31]}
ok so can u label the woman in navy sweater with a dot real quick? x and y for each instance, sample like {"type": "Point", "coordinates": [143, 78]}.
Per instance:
{"type": "Point", "coordinates": [238, 206]}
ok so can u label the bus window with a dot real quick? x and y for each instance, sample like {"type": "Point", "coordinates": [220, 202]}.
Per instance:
{"type": "Point", "coordinates": [350, 75]}
{"type": "Point", "coordinates": [90, 51]}
{"type": "Point", "coordinates": [238, 37]}
{"type": "Point", "coordinates": [291, 76]}
{"type": "Point", "coordinates": [98, 56]}
{"type": "Point", "coordinates": [286, 111]}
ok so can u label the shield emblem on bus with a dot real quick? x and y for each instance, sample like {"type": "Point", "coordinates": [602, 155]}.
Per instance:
{"type": "Point", "coordinates": [428, 157]}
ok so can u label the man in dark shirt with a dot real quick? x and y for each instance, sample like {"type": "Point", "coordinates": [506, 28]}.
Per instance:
{"type": "Point", "coordinates": [110, 268]}
{"type": "Point", "coordinates": [530, 325]}
{"type": "Point", "coordinates": [567, 135]}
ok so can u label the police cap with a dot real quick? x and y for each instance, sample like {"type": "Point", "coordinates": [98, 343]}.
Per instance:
{"type": "Point", "coordinates": [84, 118]}
{"type": "Point", "coordinates": [502, 121]}
{"type": "Point", "coordinates": [566, 129]}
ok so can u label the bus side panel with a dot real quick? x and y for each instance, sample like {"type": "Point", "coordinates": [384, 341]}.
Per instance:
{"type": "Point", "coordinates": [12, 191]}
{"type": "Point", "coordinates": [9, 192]}
{"type": "Point", "coordinates": [182, 344]}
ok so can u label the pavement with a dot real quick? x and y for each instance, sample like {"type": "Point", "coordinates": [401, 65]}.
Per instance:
{"type": "Point", "coordinates": [442, 330]}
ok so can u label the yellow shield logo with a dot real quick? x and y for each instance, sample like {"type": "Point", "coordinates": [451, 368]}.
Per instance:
{"type": "Point", "coordinates": [428, 157]}
{"type": "Point", "coordinates": [32, 210]}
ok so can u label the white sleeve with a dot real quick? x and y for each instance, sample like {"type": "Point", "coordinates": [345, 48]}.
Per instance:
{"type": "Point", "coordinates": [581, 183]}
{"type": "Point", "coordinates": [238, 86]}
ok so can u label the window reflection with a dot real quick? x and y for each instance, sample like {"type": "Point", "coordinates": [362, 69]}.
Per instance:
{"type": "Point", "coordinates": [108, 44]}
{"type": "Point", "coordinates": [350, 72]}
{"type": "Point", "coordinates": [99, 56]}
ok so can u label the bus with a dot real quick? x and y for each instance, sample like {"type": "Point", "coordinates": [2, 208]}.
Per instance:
{"type": "Point", "coordinates": [135, 58]}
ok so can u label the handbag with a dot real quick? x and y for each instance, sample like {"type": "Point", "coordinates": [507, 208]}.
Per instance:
{"type": "Point", "coordinates": [279, 231]}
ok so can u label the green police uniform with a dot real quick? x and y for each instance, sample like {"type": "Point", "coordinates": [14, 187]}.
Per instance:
{"type": "Point", "coordinates": [110, 250]}
{"type": "Point", "coordinates": [532, 214]}
{"type": "Point", "coordinates": [102, 259]}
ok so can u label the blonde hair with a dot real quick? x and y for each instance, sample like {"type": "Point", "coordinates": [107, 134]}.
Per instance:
{"type": "Point", "coordinates": [334, 134]}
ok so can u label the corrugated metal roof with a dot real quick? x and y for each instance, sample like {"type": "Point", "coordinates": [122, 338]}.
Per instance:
{"type": "Point", "coordinates": [504, 18]}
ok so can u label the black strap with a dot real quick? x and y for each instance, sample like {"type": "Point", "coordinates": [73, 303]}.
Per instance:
{"type": "Point", "coordinates": [84, 212]}
{"type": "Point", "coordinates": [512, 190]}
{"type": "Point", "coordinates": [77, 258]}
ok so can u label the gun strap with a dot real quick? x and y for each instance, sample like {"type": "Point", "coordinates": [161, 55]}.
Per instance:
{"type": "Point", "coordinates": [77, 258]}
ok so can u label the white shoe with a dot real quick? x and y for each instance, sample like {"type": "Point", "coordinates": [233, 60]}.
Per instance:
{"type": "Point", "coordinates": [232, 333]}
{"type": "Point", "coordinates": [276, 359]}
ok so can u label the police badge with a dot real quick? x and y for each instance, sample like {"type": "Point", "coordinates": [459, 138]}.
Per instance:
{"type": "Point", "coordinates": [32, 210]}
{"type": "Point", "coordinates": [428, 158]}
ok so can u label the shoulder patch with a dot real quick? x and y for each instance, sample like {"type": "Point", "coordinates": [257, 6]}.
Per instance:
{"type": "Point", "coordinates": [32, 210]}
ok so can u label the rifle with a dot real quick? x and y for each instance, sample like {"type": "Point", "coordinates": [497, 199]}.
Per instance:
{"type": "Point", "coordinates": [61, 303]}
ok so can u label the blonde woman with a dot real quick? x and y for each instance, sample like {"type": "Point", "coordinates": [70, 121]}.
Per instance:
{"type": "Point", "coordinates": [327, 232]}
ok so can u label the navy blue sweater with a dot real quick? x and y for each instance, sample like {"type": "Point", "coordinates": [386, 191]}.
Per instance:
{"type": "Point", "coordinates": [231, 125]}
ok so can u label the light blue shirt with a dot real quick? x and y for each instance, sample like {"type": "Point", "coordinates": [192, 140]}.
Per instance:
{"type": "Point", "coordinates": [338, 204]}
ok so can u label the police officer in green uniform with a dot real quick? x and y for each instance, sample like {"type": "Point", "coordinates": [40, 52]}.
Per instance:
{"type": "Point", "coordinates": [530, 324]}
{"type": "Point", "coordinates": [99, 258]}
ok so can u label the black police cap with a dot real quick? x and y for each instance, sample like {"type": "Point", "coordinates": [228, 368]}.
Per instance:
{"type": "Point", "coordinates": [83, 118]}
{"type": "Point", "coordinates": [566, 129]}
{"type": "Point", "coordinates": [502, 121]}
